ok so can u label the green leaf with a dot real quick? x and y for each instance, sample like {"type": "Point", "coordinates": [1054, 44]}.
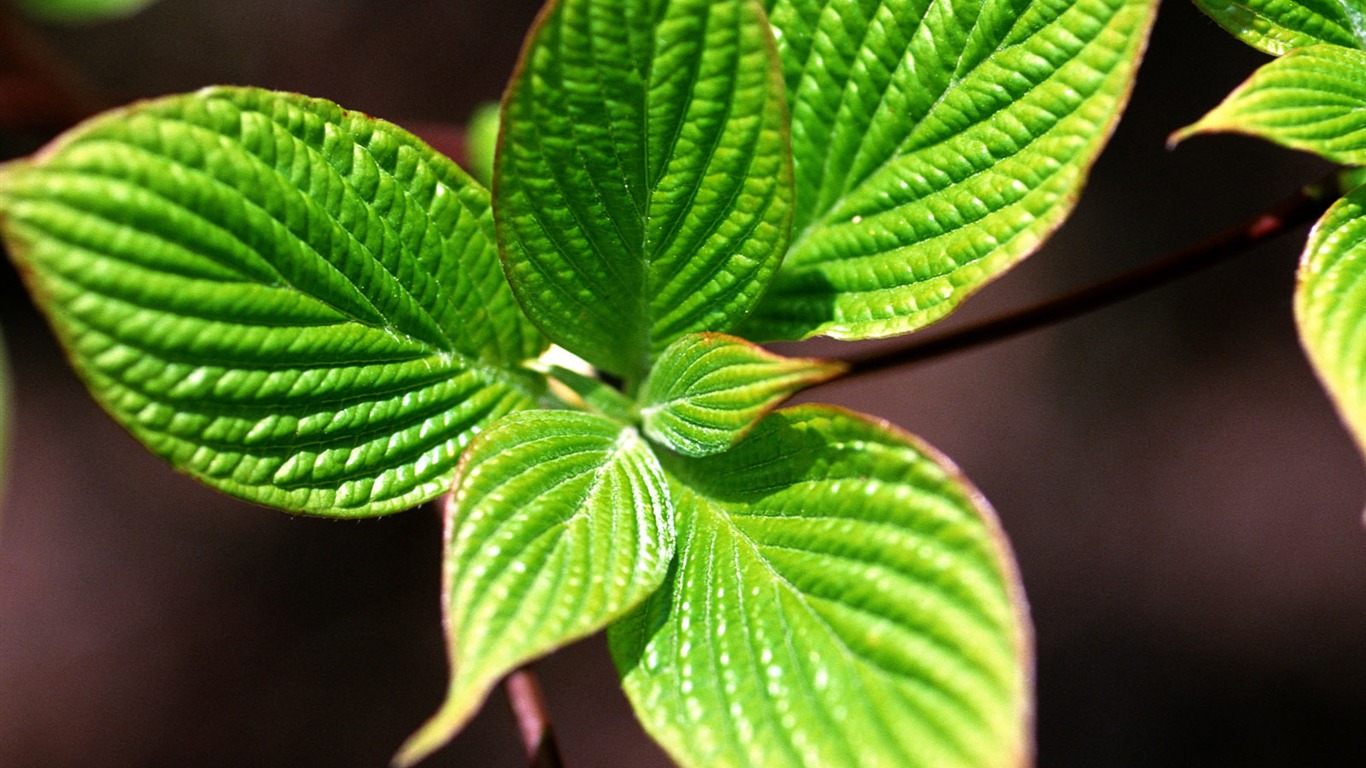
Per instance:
{"type": "Point", "coordinates": [299, 305]}
{"type": "Point", "coordinates": [708, 389]}
{"type": "Point", "coordinates": [79, 11]}
{"type": "Point", "coordinates": [594, 394]}
{"type": "Point", "coordinates": [1312, 99]}
{"type": "Point", "coordinates": [1330, 302]}
{"type": "Point", "coordinates": [841, 596]}
{"type": "Point", "coordinates": [643, 184]}
{"type": "Point", "coordinates": [481, 142]}
{"type": "Point", "coordinates": [935, 145]}
{"type": "Point", "coordinates": [1277, 26]}
{"type": "Point", "coordinates": [560, 523]}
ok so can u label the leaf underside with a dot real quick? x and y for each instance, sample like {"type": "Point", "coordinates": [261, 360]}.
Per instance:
{"type": "Point", "coordinates": [560, 523]}
{"type": "Point", "coordinates": [643, 177]}
{"type": "Point", "coordinates": [1277, 26]}
{"type": "Point", "coordinates": [299, 305]}
{"type": "Point", "coordinates": [1312, 99]}
{"type": "Point", "coordinates": [1330, 301]}
{"type": "Point", "coordinates": [936, 143]}
{"type": "Point", "coordinates": [840, 596]}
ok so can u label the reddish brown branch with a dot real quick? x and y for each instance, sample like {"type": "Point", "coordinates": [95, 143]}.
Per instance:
{"type": "Point", "coordinates": [528, 707]}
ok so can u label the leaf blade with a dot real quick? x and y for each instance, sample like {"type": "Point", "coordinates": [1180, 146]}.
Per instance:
{"type": "Point", "coordinates": [1277, 26]}
{"type": "Point", "coordinates": [841, 596]}
{"type": "Point", "coordinates": [560, 523]}
{"type": "Point", "coordinates": [643, 179]}
{"type": "Point", "coordinates": [1311, 99]}
{"type": "Point", "coordinates": [1330, 298]}
{"type": "Point", "coordinates": [935, 145]}
{"type": "Point", "coordinates": [297, 305]}
{"type": "Point", "coordinates": [707, 390]}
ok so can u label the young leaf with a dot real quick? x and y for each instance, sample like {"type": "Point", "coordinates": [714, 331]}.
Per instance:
{"type": "Point", "coordinates": [1312, 99]}
{"type": "Point", "coordinates": [1277, 26]}
{"type": "Point", "coordinates": [299, 305]}
{"type": "Point", "coordinates": [935, 145]}
{"type": "Point", "coordinates": [560, 523]}
{"type": "Point", "coordinates": [708, 389]}
{"type": "Point", "coordinates": [1330, 302]}
{"type": "Point", "coordinates": [840, 596]}
{"type": "Point", "coordinates": [643, 184]}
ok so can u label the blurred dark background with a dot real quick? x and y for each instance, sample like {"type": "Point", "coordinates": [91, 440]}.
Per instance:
{"type": "Point", "coordinates": [1184, 505]}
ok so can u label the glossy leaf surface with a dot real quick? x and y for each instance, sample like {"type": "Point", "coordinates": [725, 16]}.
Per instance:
{"type": "Point", "coordinates": [560, 523]}
{"type": "Point", "coordinates": [1276, 26]}
{"type": "Point", "coordinates": [643, 178]}
{"type": "Point", "coordinates": [840, 596]}
{"type": "Point", "coordinates": [1330, 303]}
{"type": "Point", "coordinates": [708, 389]}
{"type": "Point", "coordinates": [936, 143]}
{"type": "Point", "coordinates": [299, 305]}
{"type": "Point", "coordinates": [1311, 99]}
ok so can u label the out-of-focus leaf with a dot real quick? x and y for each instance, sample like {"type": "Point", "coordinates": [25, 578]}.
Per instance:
{"type": "Point", "coordinates": [481, 142]}
{"type": "Point", "coordinates": [1277, 26]}
{"type": "Point", "coordinates": [560, 522]}
{"type": "Point", "coordinates": [643, 179]}
{"type": "Point", "coordinates": [1311, 99]}
{"type": "Point", "coordinates": [299, 305]}
{"type": "Point", "coordinates": [82, 11]}
{"type": "Point", "coordinates": [841, 596]}
{"type": "Point", "coordinates": [708, 389]}
{"type": "Point", "coordinates": [936, 143]}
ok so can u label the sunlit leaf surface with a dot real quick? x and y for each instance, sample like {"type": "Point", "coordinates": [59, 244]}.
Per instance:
{"type": "Point", "coordinates": [1330, 303]}
{"type": "Point", "coordinates": [1276, 26]}
{"type": "Point", "coordinates": [299, 305]}
{"type": "Point", "coordinates": [708, 389]}
{"type": "Point", "coordinates": [643, 181]}
{"type": "Point", "coordinates": [1312, 99]}
{"type": "Point", "coordinates": [841, 597]}
{"type": "Point", "coordinates": [936, 143]}
{"type": "Point", "coordinates": [560, 523]}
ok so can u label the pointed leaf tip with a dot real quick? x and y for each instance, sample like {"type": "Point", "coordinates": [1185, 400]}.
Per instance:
{"type": "Point", "coordinates": [560, 522]}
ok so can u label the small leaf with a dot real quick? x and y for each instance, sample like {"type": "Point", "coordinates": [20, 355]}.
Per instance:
{"type": "Point", "coordinates": [481, 141]}
{"type": "Point", "coordinates": [1330, 304]}
{"type": "Point", "coordinates": [1277, 26]}
{"type": "Point", "coordinates": [643, 180]}
{"type": "Point", "coordinates": [1311, 99]}
{"type": "Point", "coordinates": [935, 145]}
{"type": "Point", "coordinates": [708, 389]}
{"type": "Point", "coordinates": [841, 596]}
{"type": "Point", "coordinates": [560, 523]}
{"type": "Point", "coordinates": [299, 305]}
{"type": "Point", "coordinates": [82, 11]}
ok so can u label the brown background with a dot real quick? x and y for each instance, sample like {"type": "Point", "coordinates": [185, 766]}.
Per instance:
{"type": "Point", "coordinates": [1185, 508]}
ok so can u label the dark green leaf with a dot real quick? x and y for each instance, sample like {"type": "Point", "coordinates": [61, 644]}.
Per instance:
{"type": "Point", "coordinates": [708, 389]}
{"type": "Point", "coordinates": [78, 11]}
{"type": "Point", "coordinates": [299, 305]}
{"type": "Point", "coordinates": [643, 180]}
{"type": "Point", "coordinates": [560, 523]}
{"type": "Point", "coordinates": [1312, 99]}
{"type": "Point", "coordinates": [1277, 26]}
{"type": "Point", "coordinates": [935, 145]}
{"type": "Point", "coordinates": [841, 596]}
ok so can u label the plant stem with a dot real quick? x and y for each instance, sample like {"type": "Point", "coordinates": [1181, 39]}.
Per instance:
{"type": "Point", "coordinates": [528, 707]}
{"type": "Point", "coordinates": [1304, 206]}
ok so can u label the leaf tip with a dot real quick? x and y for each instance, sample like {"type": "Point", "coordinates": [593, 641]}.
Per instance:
{"type": "Point", "coordinates": [433, 735]}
